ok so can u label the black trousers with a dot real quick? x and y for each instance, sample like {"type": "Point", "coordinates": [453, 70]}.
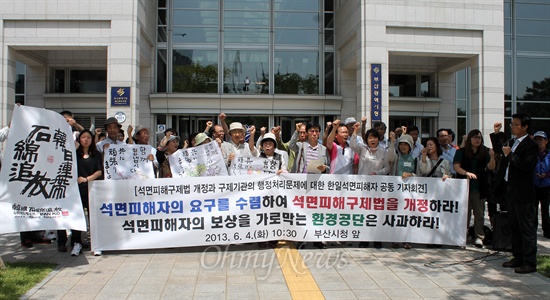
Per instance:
{"type": "Point", "coordinates": [76, 237]}
{"type": "Point", "coordinates": [542, 196]}
{"type": "Point", "coordinates": [31, 235]}
{"type": "Point", "coordinates": [522, 219]}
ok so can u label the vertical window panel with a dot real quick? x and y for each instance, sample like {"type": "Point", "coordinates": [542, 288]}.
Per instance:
{"type": "Point", "coordinates": [195, 71]}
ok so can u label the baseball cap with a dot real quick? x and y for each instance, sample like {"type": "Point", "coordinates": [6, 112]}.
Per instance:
{"type": "Point", "coordinates": [350, 120]}
{"type": "Point", "coordinates": [541, 134]}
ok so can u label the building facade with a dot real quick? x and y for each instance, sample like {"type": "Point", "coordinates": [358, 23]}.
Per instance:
{"type": "Point", "coordinates": [440, 63]}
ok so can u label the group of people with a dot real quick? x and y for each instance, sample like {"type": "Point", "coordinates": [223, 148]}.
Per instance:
{"type": "Point", "coordinates": [518, 171]}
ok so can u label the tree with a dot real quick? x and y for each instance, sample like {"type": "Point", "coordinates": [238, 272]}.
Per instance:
{"type": "Point", "coordinates": [540, 90]}
{"type": "Point", "coordinates": [195, 78]}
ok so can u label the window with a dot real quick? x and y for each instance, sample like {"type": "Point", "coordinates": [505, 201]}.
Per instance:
{"type": "Point", "coordinates": [195, 71]}
{"type": "Point", "coordinates": [88, 81]}
{"type": "Point", "coordinates": [79, 81]}
{"type": "Point", "coordinates": [402, 85]}
{"type": "Point", "coordinates": [296, 72]}
{"type": "Point", "coordinates": [407, 85]}
{"type": "Point", "coordinates": [246, 71]}
{"type": "Point", "coordinates": [247, 42]}
{"type": "Point", "coordinates": [20, 71]}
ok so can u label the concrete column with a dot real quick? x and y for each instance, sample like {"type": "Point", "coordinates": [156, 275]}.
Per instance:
{"type": "Point", "coordinates": [7, 83]}
{"type": "Point", "coordinates": [146, 88]}
{"type": "Point", "coordinates": [123, 68]}
{"type": "Point", "coordinates": [447, 93]}
{"type": "Point", "coordinates": [35, 86]}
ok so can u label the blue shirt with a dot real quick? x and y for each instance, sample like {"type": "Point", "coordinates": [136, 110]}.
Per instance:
{"type": "Point", "coordinates": [449, 155]}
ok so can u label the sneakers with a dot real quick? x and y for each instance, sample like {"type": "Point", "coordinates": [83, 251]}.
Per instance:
{"type": "Point", "coordinates": [98, 253]}
{"type": "Point", "coordinates": [51, 236]}
{"type": "Point", "coordinates": [77, 249]}
{"type": "Point", "coordinates": [61, 248]}
{"type": "Point", "coordinates": [478, 243]}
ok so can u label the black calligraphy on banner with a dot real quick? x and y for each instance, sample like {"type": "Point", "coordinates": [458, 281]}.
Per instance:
{"type": "Point", "coordinates": [25, 169]}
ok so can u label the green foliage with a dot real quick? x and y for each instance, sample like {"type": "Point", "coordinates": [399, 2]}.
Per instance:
{"type": "Point", "coordinates": [293, 83]}
{"type": "Point", "coordinates": [195, 78]}
{"type": "Point", "coordinates": [540, 90]}
{"type": "Point", "coordinates": [20, 277]}
{"type": "Point", "coordinates": [543, 265]}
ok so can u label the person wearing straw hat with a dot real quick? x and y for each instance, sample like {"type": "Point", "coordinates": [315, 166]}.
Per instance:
{"type": "Point", "coordinates": [112, 127]}
{"type": "Point", "coordinates": [201, 139]}
{"type": "Point", "coordinates": [234, 147]}
{"type": "Point", "coordinates": [172, 145]}
{"type": "Point", "coordinates": [141, 137]}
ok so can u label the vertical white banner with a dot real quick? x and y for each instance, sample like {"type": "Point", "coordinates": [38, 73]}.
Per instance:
{"type": "Point", "coordinates": [38, 186]}
{"type": "Point", "coordinates": [128, 162]}
{"type": "Point", "coordinates": [201, 161]}
{"type": "Point", "coordinates": [248, 165]}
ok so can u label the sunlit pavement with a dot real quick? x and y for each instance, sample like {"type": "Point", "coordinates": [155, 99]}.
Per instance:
{"type": "Point", "coordinates": [248, 272]}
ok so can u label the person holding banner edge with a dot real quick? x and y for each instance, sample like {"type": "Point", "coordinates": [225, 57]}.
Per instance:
{"type": "Point", "coordinates": [306, 152]}
{"type": "Point", "coordinates": [471, 162]}
{"type": "Point", "coordinates": [112, 127]}
{"type": "Point", "coordinates": [373, 158]}
{"type": "Point", "coordinates": [89, 168]}
{"type": "Point", "coordinates": [172, 144]}
{"type": "Point", "coordinates": [432, 164]}
{"type": "Point", "coordinates": [402, 164]}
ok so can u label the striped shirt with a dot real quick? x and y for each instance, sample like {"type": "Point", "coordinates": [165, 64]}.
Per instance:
{"type": "Point", "coordinates": [312, 153]}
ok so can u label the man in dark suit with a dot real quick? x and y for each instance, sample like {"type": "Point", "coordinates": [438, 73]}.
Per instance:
{"type": "Point", "coordinates": [519, 163]}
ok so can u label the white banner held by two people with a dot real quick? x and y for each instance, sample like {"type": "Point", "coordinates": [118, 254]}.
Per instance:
{"type": "Point", "coordinates": [128, 162]}
{"type": "Point", "coordinates": [38, 180]}
{"type": "Point", "coordinates": [163, 213]}
{"type": "Point", "coordinates": [201, 161]}
{"type": "Point", "coordinates": [248, 165]}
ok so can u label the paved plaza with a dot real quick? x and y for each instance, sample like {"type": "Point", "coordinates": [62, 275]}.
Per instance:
{"type": "Point", "coordinates": [248, 272]}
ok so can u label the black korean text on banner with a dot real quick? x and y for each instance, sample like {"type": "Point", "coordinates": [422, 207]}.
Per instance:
{"type": "Point", "coordinates": [38, 181]}
{"type": "Point", "coordinates": [301, 207]}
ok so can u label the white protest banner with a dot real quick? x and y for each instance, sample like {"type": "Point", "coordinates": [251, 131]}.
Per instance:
{"type": "Point", "coordinates": [128, 162]}
{"type": "Point", "coordinates": [38, 180]}
{"type": "Point", "coordinates": [163, 213]}
{"type": "Point", "coordinates": [201, 161]}
{"type": "Point", "coordinates": [247, 165]}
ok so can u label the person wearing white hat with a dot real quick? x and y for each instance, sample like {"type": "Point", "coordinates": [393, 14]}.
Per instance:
{"type": "Point", "coordinates": [405, 165]}
{"type": "Point", "coordinates": [202, 138]}
{"type": "Point", "coordinates": [141, 137]}
{"type": "Point", "coordinates": [269, 151]}
{"type": "Point", "coordinates": [233, 147]}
